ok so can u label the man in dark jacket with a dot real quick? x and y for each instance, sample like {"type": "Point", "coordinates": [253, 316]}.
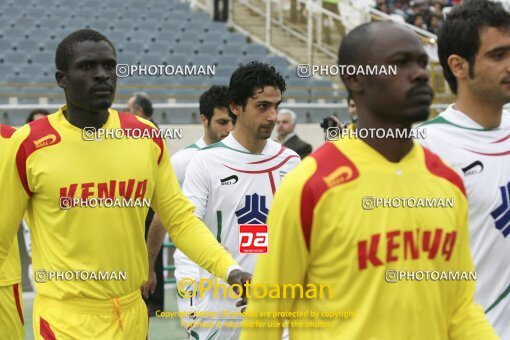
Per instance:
{"type": "Point", "coordinates": [285, 125]}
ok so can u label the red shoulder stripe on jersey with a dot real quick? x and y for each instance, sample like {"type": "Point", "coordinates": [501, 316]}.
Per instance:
{"type": "Point", "coordinates": [15, 289]}
{"type": "Point", "coordinates": [270, 158]}
{"type": "Point", "coordinates": [45, 330]}
{"type": "Point", "coordinates": [501, 140]}
{"type": "Point", "coordinates": [6, 131]}
{"type": "Point", "coordinates": [129, 121]}
{"type": "Point", "coordinates": [333, 169]}
{"type": "Point", "coordinates": [41, 135]}
{"type": "Point", "coordinates": [436, 166]}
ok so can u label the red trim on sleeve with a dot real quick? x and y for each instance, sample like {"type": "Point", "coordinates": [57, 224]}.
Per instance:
{"type": "Point", "coordinates": [333, 169]}
{"type": "Point", "coordinates": [42, 134]}
{"type": "Point", "coordinates": [6, 131]}
{"type": "Point", "coordinates": [436, 166]}
{"type": "Point", "coordinates": [129, 121]}
{"type": "Point", "coordinates": [15, 289]}
{"type": "Point", "coordinates": [45, 330]}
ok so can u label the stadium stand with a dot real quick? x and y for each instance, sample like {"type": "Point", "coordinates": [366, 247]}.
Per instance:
{"type": "Point", "coordinates": [153, 32]}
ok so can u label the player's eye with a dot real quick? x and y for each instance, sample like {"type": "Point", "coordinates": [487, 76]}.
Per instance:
{"type": "Point", "coordinates": [498, 56]}
{"type": "Point", "coordinates": [109, 66]}
{"type": "Point", "coordinates": [86, 66]}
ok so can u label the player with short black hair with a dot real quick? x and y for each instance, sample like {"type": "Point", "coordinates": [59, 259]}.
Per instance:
{"type": "Point", "coordinates": [327, 231]}
{"type": "Point", "coordinates": [232, 183]}
{"type": "Point", "coordinates": [473, 136]}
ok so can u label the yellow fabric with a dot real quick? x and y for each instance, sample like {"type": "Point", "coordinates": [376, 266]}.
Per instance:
{"type": "Point", "coordinates": [79, 318]}
{"type": "Point", "coordinates": [378, 309]}
{"type": "Point", "coordinates": [10, 271]}
{"type": "Point", "coordinates": [11, 326]}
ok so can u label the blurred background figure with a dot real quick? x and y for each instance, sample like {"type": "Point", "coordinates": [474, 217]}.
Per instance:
{"type": "Point", "coordinates": [36, 114]}
{"type": "Point", "coordinates": [285, 126]}
{"type": "Point", "coordinates": [140, 104]}
{"type": "Point", "coordinates": [351, 108]}
{"type": "Point", "coordinates": [220, 10]}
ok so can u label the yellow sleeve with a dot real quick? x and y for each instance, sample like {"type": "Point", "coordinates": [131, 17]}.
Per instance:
{"type": "Point", "coordinates": [13, 197]}
{"type": "Point", "coordinates": [287, 259]}
{"type": "Point", "coordinates": [187, 231]}
{"type": "Point", "coordinates": [468, 320]}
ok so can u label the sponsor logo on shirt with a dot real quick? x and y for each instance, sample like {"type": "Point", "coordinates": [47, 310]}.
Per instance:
{"type": "Point", "coordinates": [473, 168]}
{"type": "Point", "coordinates": [254, 210]}
{"type": "Point", "coordinates": [253, 239]}
{"type": "Point", "coordinates": [128, 189]}
{"type": "Point", "coordinates": [501, 214]}
{"type": "Point", "coordinates": [45, 141]}
{"type": "Point", "coordinates": [229, 180]}
{"type": "Point", "coordinates": [340, 175]}
{"type": "Point", "coordinates": [399, 245]}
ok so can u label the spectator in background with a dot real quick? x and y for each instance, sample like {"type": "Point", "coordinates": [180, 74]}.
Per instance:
{"type": "Point", "coordinates": [285, 126]}
{"type": "Point", "coordinates": [351, 108]}
{"type": "Point", "coordinates": [382, 6]}
{"type": "Point", "coordinates": [419, 21]}
{"type": "Point", "coordinates": [415, 10]}
{"type": "Point", "coordinates": [436, 20]}
{"type": "Point", "coordinates": [220, 10]}
{"type": "Point", "coordinates": [296, 12]}
{"type": "Point", "coordinates": [36, 114]}
{"type": "Point", "coordinates": [140, 104]}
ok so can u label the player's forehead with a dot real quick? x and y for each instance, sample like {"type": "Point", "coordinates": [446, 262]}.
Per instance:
{"type": "Point", "coordinates": [492, 39]}
{"type": "Point", "coordinates": [220, 113]}
{"type": "Point", "coordinates": [93, 51]}
{"type": "Point", "coordinates": [391, 40]}
{"type": "Point", "coordinates": [268, 94]}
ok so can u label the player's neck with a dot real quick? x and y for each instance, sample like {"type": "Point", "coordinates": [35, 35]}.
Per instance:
{"type": "Point", "coordinates": [483, 111]}
{"type": "Point", "coordinates": [393, 149]}
{"type": "Point", "coordinates": [251, 144]}
{"type": "Point", "coordinates": [84, 118]}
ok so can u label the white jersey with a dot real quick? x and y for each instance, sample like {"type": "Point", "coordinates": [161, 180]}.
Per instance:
{"type": "Point", "coordinates": [184, 267]}
{"type": "Point", "coordinates": [231, 187]}
{"type": "Point", "coordinates": [482, 158]}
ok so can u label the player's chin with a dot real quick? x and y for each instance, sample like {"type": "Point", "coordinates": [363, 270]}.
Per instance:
{"type": "Point", "coordinates": [101, 104]}
{"type": "Point", "coordinates": [418, 113]}
{"type": "Point", "coordinates": [264, 134]}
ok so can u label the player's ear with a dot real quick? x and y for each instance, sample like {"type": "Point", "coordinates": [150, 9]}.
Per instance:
{"type": "Point", "coordinates": [459, 66]}
{"type": "Point", "coordinates": [61, 79]}
{"type": "Point", "coordinates": [235, 109]}
{"type": "Point", "coordinates": [204, 119]}
{"type": "Point", "coordinates": [353, 82]}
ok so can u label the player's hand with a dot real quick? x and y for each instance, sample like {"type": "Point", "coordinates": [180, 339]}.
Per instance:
{"type": "Point", "coordinates": [150, 285]}
{"type": "Point", "coordinates": [241, 278]}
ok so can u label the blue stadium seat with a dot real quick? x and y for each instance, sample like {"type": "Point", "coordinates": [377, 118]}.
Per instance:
{"type": "Point", "coordinates": [203, 60]}
{"type": "Point", "coordinates": [133, 47]}
{"type": "Point", "coordinates": [254, 50]}
{"type": "Point", "coordinates": [14, 33]}
{"type": "Point", "coordinates": [177, 59]}
{"type": "Point", "coordinates": [207, 49]}
{"type": "Point", "coordinates": [278, 62]}
{"type": "Point", "coordinates": [184, 47]}
{"type": "Point", "coordinates": [228, 61]}
{"type": "Point", "coordinates": [232, 50]}
{"type": "Point", "coordinates": [43, 58]}
{"type": "Point", "coordinates": [235, 39]}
